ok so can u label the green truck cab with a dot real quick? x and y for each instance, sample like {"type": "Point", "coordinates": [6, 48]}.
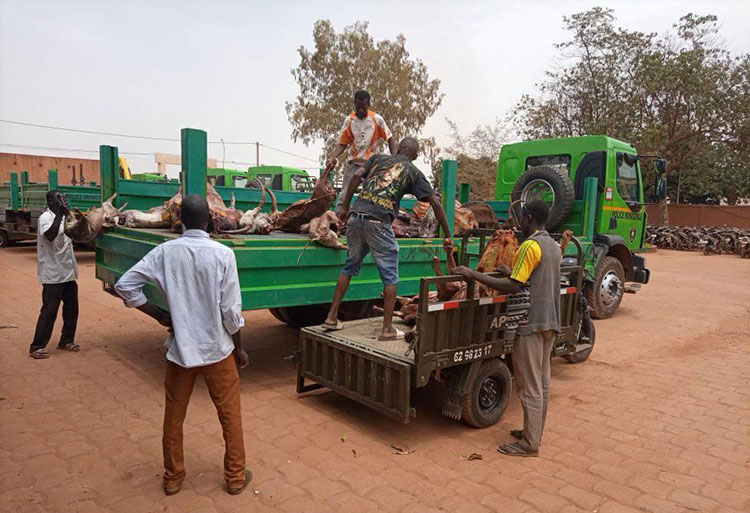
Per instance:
{"type": "Point", "coordinates": [278, 178]}
{"type": "Point", "coordinates": [557, 170]}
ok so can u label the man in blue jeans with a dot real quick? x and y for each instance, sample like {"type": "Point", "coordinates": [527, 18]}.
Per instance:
{"type": "Point", "coordinates": [385, 179]}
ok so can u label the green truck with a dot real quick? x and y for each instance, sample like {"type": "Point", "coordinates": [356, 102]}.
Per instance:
{"type": "Point", "coordinates": [558, 170]}
{"type": "Point", "coordinates": [278, 178]}
{"type": "Point", "coordinates": [23, 201]}
{"type": "Point", "coordinates": [591, 181]}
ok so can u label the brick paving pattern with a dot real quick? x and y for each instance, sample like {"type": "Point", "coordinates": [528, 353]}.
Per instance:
{"type": "Point", "coordinates": [657, 421]}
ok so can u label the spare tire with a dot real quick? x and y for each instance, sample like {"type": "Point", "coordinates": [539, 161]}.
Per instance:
{"type": "Point", "coordinates": [547, 184]}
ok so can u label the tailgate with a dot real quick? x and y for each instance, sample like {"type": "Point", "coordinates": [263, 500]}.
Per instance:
{"type": "Point", "coordinates": [374, 378]}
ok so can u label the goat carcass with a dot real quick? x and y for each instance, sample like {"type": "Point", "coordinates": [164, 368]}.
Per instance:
{"type": "Point", "coordinates": [483, 214]}
{"type": "Point", "coordinates": [303, 211]}
{"type": "Point", "coordinates": [464, 221]}
{"type": "Point", "coordinates": [157, 217]}
{"type": "Point", "coordinates": [84, 228]}
{"type": "Point", "coordinates": [255, 221]}
{"type": "Point", "coordinates": [223, 218]}
{"type": "Point", "coordinates": [499, 252]}
{"type": "Point", "coordinates": [321, 232]}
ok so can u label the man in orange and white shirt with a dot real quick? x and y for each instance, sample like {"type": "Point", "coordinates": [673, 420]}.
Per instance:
{"type": "Point", "coordinates": [364, 131]}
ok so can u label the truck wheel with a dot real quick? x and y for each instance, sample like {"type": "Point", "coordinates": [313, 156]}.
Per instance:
{"type": "Point", "coordinates": [587, 331]}
{"type": "Point", "coordinates": [547, 184]}
{"type": "Point", "coordinates": [4, 239]}
{"type": "Point", "coordinates": [301, 316]}
{"type": "Point", "coordinates": [605, 295]}
{"type": "Point", "coordinates": [487, 395]}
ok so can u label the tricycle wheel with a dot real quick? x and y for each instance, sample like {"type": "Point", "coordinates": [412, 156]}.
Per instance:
{"type": "Point", "coordinates": [4, 239]}
{"type": "Point", "coordinates": [487, 395]}
{"type": "Point", "coordinates": [587, 331]}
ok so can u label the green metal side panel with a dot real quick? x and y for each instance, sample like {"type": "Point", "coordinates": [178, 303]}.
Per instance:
{"type": "Point", "coordinates": [82, 197]}
{"type": "Point", "coordinates": [34, 195]}
{"type": "Point", "coordinates": [15, 196]}
{"type": "Point", "coordinates": [194, 160]}
{"type": "Point", "coordinates": [24, 177]}
{"type": "Point", "coordinates": [277, 270]}
{"type": "Point", "coordinates": [450, 168]}
{"type": "Point", "coordinates": [143, 195]}
{"type": "Point", "coordinates": [464, 192]}
{"type": "Point", "coordinates": [52, 179]}
{"type": "Point", "coordinates": [109, 169]}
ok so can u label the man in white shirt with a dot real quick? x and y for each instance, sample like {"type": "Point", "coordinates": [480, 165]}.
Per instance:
{"type": "Point", "coordinates": [58, 272]}
{"type": "Point", "coordinates": [198, 278]}
{"type": "Point", "coordinates": [364, 131]}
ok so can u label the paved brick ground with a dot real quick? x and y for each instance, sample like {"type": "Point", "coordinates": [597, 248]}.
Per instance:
{"type": "Point", "coordinates": [658, 420]}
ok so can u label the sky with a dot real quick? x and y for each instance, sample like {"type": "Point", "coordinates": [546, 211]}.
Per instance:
{"type": "Point", "coordinates": [153, 67]}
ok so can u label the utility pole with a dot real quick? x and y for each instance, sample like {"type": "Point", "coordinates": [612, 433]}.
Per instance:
{"type": "Point", "coordinates": [257, 154]}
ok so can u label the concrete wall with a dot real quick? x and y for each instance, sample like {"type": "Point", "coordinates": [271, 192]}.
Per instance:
{"type": "Point", "coordinates": [38, 165]}
{"type": "Point", "coordinates": [702, 215]}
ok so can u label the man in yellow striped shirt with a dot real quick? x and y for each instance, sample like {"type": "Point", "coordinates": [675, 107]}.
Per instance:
{"type": "Point", "coordinates": [536, 266]}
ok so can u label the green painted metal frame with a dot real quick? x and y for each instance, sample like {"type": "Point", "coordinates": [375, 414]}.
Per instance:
{"type": "Point", "coordinates": [15, 197]}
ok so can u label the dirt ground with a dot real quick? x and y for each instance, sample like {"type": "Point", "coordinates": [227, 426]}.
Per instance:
{"type": "Point", "coordinates": [658, 419]}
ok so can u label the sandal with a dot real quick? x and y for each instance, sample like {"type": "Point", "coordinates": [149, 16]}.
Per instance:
{"type": "Point", "coordinates": [237, 491]}
{"type": "Point", "coordinates": [70, 346]}
{"type": "Point", "coordinates": [39, 354]}
{"type": "Point", "coordinates": [333, 327]}
{"type": "Point", "coordinates": [515, 449]}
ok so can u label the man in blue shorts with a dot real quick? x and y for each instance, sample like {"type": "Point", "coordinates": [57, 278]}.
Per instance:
{"type": "Point", "coordinates": [385, 179]}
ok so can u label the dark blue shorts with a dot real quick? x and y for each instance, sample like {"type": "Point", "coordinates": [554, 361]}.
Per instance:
{"type": "Point", "coordinates": [368, 236]}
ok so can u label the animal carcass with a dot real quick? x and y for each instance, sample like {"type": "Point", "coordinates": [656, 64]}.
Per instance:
{"type": "Point", "coordinates": [483, 214]}
{"type": "Point", "coordinates": [303, 211]}
{"type": "Point", "coordinates": [157, 217]}
{"type": "Point", "coordinates": [255, 221]}
{"type": "Point", "coordinates": [84, 228]}
{"type": "Point", "coordinates": [499, 252]}
{"type": "Point", "coordinates": [321, 230]}
{"type": "Point", "coordinates": [223, 218]}
{"type": "Point", "coordinates": [464, 221]}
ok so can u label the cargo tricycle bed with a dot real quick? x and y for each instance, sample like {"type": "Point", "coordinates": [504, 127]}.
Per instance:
{"type": "Point", "coordinates": [465, 344]}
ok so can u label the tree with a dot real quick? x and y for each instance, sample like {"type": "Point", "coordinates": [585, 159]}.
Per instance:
{"type": "Point", "coordinates": [341, 64]}
{"type": "Point", "coordinates": [476, 153]}
{"type": "Point", "coordinates": [680, 95]}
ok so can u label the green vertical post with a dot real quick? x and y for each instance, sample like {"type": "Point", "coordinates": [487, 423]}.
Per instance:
{"type": "Point", "coordinates": [51, 179]}
{"type": "Point", "coordinates": [194, 161]}
{"type": "Point", "coordinates": [15, 200]}
{"type": "Point", "coordinates": [24, 177]}
{"type": "Point", "coordinates": [109, 170]}
{"type": "Point", "coordinates": [464, 192]}
{"type": "Point", "coordinates": [590, 190]}
{"type": "Point", "coordinates": [450, 170]}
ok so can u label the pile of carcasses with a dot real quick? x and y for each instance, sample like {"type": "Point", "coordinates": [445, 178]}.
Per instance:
{"type": "Point", "coordinates": [311, 215]}
{"type": "Point", "coordinates": [422, 222]}
{"type": "Point", "coordinates": [708, 239]}
{"type": "Point", "coordinates": [500, 252]}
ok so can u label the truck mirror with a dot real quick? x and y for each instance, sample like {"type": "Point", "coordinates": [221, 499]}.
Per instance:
{"type": "Point", "coordinates": [660, 165]}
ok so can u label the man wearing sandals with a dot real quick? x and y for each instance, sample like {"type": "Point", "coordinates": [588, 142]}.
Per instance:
{"type": "Point", "coordinates": [536, 265]}
{"type": "Point", "coordinates": [385, 179]}
{"type": "Point", "coordinates": [198, 278]}
{"type": "Point", "coordinates": [58, 272]}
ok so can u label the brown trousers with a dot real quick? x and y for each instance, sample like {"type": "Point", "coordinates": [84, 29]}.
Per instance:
{"type": "Point", "coordinates": [223, 383]}
{"type": "Point", "coordinates": [532, 371]}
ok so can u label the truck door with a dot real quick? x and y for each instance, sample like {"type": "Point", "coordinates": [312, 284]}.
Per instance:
{"type": "Point", "coordinates": [623, 201]}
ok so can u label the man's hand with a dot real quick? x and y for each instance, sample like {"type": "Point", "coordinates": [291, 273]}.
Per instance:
{"type": "Point", "coordinates": [504, 271]}
{"type": "Point", "coordinates": [240, 356]}
{"type": "Point", "coordinates": [448, 244]}
{"type": "Point", "coordinates": [342, 212]}
{"type": "Point", "coordinates": [464, 271]}
{"type": "Point", "coordinates": [330, 163]}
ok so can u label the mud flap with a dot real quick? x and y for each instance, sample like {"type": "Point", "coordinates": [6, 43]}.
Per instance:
{"type": "Point", "coordinates": [456, 388]}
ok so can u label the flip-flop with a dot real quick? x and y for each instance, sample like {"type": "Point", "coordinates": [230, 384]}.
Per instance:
{"type": "Point", "coordinates": [70, 346]}
{"type": "Point", "coordinates": [330, 327]}
{"type": "Point", "coordinates": [237, 491]}
{"type": "Point", "coordinates": [387, 338]}
{"type": "Point", "coordinates": [515, 449]}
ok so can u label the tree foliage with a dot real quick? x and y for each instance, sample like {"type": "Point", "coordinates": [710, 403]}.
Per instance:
{"type": "Point", "coordinates": [340, 64]}
{"type": "Point", "coordinates": [681, 95]}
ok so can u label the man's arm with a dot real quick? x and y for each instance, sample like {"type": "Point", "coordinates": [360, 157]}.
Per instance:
{"type": "Point", "coordinates": [342, 209]}
{"type": "Point", "coordinates": [231, 307]}
{"type": "Point", "coordinates": [130, 289]}
{"type": "Point", "coordinates": [442, 218]}
{"type": "Point", "coordinates": [504, 285]}
{"type": "Point", "coordinates": [392, 145]}
{"type": "Point", "coordinates": [341, 148]}
{"type": "Point", "coordinates": [54, 228]}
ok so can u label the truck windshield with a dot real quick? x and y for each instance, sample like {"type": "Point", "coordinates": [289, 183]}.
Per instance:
{"type": "Point", "coordinates": [559, 163]}
{"type": "Point", "coordinates": [627, 178]}
{"type": "Point", "coordinates": [301, 183]}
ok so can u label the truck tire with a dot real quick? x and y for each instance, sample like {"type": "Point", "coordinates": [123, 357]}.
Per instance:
{"type": "Point", "coordinates": [487, 395]}
{"type": "Point", "coordinates": [588, 330]}
{"type": "Point", "coordinates": [605, 295]}
{"type": "Point", "coordinates": [543, 182]}
{"type": "Point", "coordinates": [4, 239]}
